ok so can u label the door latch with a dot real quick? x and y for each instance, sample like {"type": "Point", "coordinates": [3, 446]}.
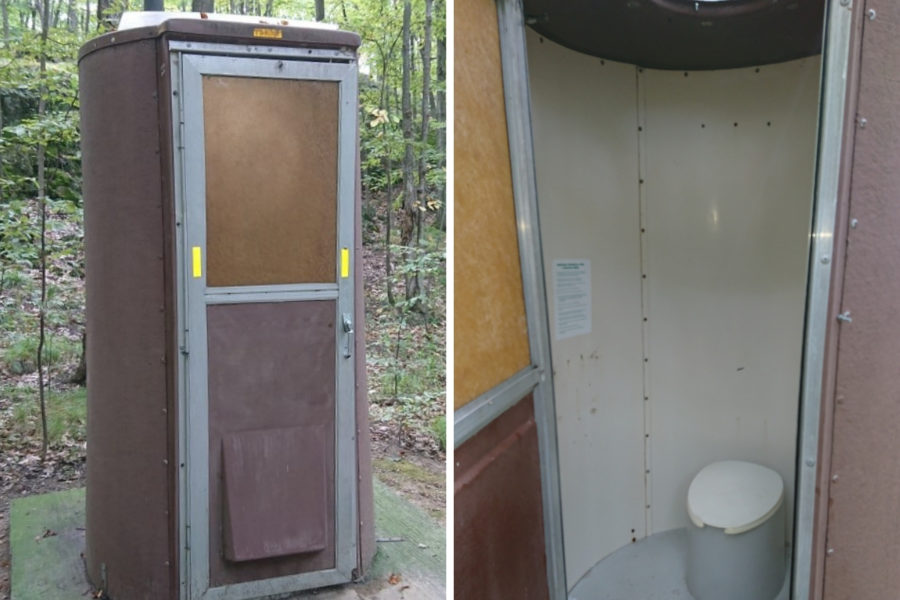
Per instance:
{"type": "Point", "coordinates": [347, 324]}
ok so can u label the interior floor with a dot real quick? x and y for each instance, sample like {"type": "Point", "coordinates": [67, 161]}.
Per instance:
{"type": "Point", "coordinates": [652, 568]}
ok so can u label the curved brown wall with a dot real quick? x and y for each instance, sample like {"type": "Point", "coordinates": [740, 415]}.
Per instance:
{"type": "Point", "coordinates": [129, 521]}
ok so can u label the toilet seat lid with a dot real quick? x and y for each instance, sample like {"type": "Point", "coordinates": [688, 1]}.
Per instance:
{"type": "Point", "coordinates": [734, 495]}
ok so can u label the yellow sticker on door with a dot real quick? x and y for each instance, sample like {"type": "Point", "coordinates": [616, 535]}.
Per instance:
{"type": "Point", "coordinates": [198, 271]}
{"type": "Point", "coordinates": [345, 263]}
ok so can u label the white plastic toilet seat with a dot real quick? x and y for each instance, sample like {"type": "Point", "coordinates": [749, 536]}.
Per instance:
{"type": "Point", "coordinates": [734, 495]}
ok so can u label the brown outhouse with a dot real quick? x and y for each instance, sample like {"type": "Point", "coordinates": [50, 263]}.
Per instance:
{"type": "Point", "coordinates": [228, 450]}
{"type": "Point", "coordinates": [676, 270]}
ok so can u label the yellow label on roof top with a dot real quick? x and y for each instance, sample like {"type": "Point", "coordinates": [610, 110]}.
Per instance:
{"type": "Point", "coordinates": [268, 33]}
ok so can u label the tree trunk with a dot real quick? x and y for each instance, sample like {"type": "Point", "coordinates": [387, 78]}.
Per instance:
{"type": "Point", "coordinates": [407, 223]}
{"type": "Point", "coordinates": [79, 377]}
{"type": "Point", "coordinates": [72, 17]}
{"type": "Point", "coordinates": [441, 114]}
{"type": "Point", "coordinates": [389, 174]}
{"type": "Point", "coordinates": [4, 6]}
{"type": "Point", "coordinates": [56, 11]}
{"type": "Point", "coordinates": [87, 16]}
{"type": "Point", "coordinates": [102, 13]}
{"type": "Point", "coordinates": [42, 208]}
{"type": "Point", "coordinates": [426, 114]}
{"type": "Point", "coordinates": [204, 6]}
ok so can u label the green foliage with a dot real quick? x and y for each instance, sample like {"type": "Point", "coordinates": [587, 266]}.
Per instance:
{"type": "Point", "coordinates": [20, 354]}
{"type": "Point", "coordinates": [65, 422]}
{"type": "Point", "coordinates": [439, 428]}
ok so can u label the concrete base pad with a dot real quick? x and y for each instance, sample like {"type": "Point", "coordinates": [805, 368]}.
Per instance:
{"type": "Point", "coordinates": [47, 542]}
{"type": "Point", "coordinates": [653, 568]}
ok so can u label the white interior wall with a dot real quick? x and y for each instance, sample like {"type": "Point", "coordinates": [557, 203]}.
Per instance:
{"type": "Point", "coordinates": [726, 212]}
{"type": "Point", "coordinates": [727, 216]}
{"type": "Point", "coordinates": [585, 119]}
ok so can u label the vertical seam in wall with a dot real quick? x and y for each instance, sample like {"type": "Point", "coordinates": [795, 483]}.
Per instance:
{"type": "Point", "coordinates": [645, 301]}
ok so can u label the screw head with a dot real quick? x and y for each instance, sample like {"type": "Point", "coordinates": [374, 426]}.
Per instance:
{"type": "Point", "coordinates": [826, 260]}
{"type": "Point", "coordinates": [810, 462]}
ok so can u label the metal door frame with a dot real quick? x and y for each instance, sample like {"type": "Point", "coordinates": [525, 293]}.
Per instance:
{"type": "Point", "coordinates": [188, 63]}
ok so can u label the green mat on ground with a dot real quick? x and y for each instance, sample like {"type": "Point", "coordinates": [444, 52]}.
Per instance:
{"type": "Point", "coordinates": [411, 541]}
{"type": "Point", "coordinates": [47, 540]}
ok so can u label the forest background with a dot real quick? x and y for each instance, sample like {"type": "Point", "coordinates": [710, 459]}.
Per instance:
{"type": "Point", "coordinates": [402, 111]}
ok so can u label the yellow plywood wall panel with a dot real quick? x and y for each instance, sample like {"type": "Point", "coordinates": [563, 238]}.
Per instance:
{"type": "Point", "coordinates": [490, 332]}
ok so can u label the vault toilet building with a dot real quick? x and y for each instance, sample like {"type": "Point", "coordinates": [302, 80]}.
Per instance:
{"type": "Point", "coordinates": [227, 441]}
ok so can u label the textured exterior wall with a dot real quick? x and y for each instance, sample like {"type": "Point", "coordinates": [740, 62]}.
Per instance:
{"type": "Point", "coordinates": [863, 534]}
{"type": "Point", "coordinates": [128, 484]}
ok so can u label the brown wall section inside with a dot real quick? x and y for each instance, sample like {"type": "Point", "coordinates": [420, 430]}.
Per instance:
{"type": "Point", "coordinates": [271, 180]}
{"type": "Point", "coordinates": [126, 326]}
{"type": "Point", "coordinates": [490, 328]}
{"type": "Point", "coordinates": [863, 524]}
{"type": "Point", "coordinates": [498, 520]}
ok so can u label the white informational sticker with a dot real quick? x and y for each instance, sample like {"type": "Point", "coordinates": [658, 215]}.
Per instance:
{"type": "Point", "coordinates": [572, 293]}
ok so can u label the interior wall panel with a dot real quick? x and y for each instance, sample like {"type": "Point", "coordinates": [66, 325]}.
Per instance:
{"type": "Point", "coordinates": [719, 175]}
{"type": "Point", "coordinates": [729, 166]}
{"type": "Point", "coordinates": [491, 331]}
{"type": "Point", "coordinates": [863, 533]}
{"type": "Point", "coordinates": [585, 118]}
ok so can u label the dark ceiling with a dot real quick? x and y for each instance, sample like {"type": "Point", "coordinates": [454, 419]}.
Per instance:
{"type": "Point", "coordinates": [683, 34]}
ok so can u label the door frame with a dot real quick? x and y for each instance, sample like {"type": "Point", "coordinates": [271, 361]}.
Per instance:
{"type": "Point", "coordinates": [189, 62]}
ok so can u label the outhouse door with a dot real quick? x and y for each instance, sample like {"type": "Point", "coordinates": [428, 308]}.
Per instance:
{"type": "Point", "coordinates": [264, 173]}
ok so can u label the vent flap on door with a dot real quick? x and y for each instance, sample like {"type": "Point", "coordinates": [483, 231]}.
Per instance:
{"type": "Point", "coordinates": [275, 492]}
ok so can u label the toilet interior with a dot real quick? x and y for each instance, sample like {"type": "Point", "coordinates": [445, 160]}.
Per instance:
{"type": "Point", "coordinates": [689, 194]}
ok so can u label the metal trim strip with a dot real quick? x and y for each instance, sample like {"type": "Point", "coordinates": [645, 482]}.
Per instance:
{"type": "Point", "coordinates": [831, 126]}
{"type": "Point", "coordinates": [260, 51]}
{"type": "Point", "coordinates": [269, 289]}
{"type": "Point", "coordinates": [471, 418]}
{"type": "Point", "coordinates": [511, 20]}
